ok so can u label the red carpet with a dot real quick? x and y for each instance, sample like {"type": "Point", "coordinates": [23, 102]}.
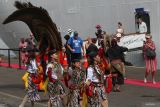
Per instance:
{"type": "Point", "coordinates": [141, 83]}
{"type": "Point", "coordinates": [12, 65]}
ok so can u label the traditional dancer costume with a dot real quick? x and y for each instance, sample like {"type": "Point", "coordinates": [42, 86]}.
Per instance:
{"type": "Point", "coordinates": [76, 84]}
{"type": "Point", "coordinates": [55, 87]}
{"type": "Point", "coordinates": [45, 32]}
{"type": "Point", "coordinates": [32, 90]}
{"type": "Point", "coordinates": [32, 93]}
{"type": "Point", "coordinates": [96, 92]}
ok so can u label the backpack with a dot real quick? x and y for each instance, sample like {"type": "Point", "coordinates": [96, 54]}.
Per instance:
{"type": "Point", "coordinates": [150, 53]}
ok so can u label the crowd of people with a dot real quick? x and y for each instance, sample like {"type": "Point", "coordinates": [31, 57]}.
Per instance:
{"type": "Point", "coordinates": [73, 75]}
{"type": "Point", "coordinates": [71, 84]}
{"type": "Point", "coordinates": [24, 45]}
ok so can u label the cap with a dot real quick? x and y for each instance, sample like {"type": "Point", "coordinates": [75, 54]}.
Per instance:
{"type": "Point", "coordinates": [98, 26]}
{"type": "Point", "coordinates": [69, 30]}
{"type": "Point", "coordinates": [75, 33]}
{"type": "Point", "coordinates": [148, 36]}
{"type": "Point", "coordinates": [118, 35]}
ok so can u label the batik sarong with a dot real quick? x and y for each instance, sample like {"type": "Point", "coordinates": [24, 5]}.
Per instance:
{"type": "Point", "coordinates": [32, 92]}
{"type": "Point", "coordinates": [98, 97]}
{"type": "Point", "coordinates": [55, 90]}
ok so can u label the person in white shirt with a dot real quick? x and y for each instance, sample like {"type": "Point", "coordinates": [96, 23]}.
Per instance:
{"type": "Point", "coordinates": [120, 29]}
{"type": "Point", "coordinates": [142, 26]}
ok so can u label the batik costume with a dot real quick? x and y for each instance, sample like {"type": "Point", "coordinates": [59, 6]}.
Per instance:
{"type": "Point", "coordinates": [32, 91]}
{"type": "Point", "coordinates": [55, 86]}
{"type": "Point", "coordinates": [76, 84]}
{"type": "Point", "coordinates": [96, 92]}
{"type": "Point", "coordinates": [40, 24]}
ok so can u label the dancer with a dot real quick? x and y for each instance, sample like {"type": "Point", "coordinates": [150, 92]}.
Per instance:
{"type": "Point", "coordinates": [46, 34]}
{"type": "Point", "coordinates": [95, 78]}
{"type": "Point", "coordinates": [75, 84]}
{"type": "Point", "coordinates": [32, 93]}
{"type": "Point", "coordinates": [56, 88]}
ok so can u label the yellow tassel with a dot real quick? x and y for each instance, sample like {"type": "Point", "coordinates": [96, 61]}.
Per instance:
{"type": "Point", "coordinates": [25, 79]}
{"type": "Point", "coordinates": [84, 100]}
{"type": "Point", "coordinates": [44, 87]}
{"type": "Point", "coordinates": [41, 85]}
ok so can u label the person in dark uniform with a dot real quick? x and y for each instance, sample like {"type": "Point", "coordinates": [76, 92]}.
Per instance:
{"type": "Point", "coordinates": [115, 54]}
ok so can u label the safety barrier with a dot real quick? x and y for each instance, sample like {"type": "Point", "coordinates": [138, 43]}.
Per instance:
{"type": "Point", "coordinates": [10, 58]}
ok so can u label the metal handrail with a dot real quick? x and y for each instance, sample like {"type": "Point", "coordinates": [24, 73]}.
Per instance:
{"type": "Point", "coordinates": [9, 58]}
